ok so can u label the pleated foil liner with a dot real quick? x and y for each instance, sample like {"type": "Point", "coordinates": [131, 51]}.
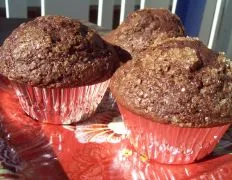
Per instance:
{"type": "Point", "coordinates": [60, 105]}
{"type": "Point", "coordinates": [170, 144]}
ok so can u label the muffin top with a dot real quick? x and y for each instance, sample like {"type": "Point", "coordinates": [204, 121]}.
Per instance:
{"type": "Point", "coordinates": [180, 82]}
{"type": "Point", "coordinates": [56, 51]}
{"type": "Point", "coordinates": [144, 28]}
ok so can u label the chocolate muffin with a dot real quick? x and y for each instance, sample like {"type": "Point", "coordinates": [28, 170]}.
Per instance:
{"type": "Point", "coordinates": [144, 28]}
{"type": "Point", "coordinates": [180, 82]}
{"type": "Point", "coordinates": [58, 67]}
{"type": "Point", "coordinates": [56, 51]}
{"type": "Point", "coordinates": [176, 100]}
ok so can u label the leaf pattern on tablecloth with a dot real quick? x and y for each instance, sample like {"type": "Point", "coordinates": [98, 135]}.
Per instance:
{"type": "Point", "coordinates": [103, 128]}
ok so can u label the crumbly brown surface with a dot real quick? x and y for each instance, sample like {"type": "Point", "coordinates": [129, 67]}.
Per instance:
{"type": "Point", "coordinates": [144, 28]}
{"type": "Point", "coordinates": [180, 82]}
{"type": "Point", "coordinates": [56, 51]}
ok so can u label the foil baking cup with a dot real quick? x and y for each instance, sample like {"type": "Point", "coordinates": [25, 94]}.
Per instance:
{"type": "Point", "coordinates": [60, 105]}
{"type": "Point", "coordinates": [167, 143]}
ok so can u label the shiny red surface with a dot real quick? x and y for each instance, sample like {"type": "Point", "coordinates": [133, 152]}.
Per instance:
{"type": "Point", "coordinates": [169, 144]}
{"type": "Point", "coordinates": [53, 152]}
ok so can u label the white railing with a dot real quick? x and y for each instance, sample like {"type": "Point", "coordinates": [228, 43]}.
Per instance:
{"type": "Point", "coordinates": [80, 9]}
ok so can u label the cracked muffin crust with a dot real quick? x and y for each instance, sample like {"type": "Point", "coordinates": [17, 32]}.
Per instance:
{"type": "Point", "coordinates": [56, 51]}
{"type": "Point", "coordinates": [180, 82]}
{"type": "Point", "coordinates": [144, 28]}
